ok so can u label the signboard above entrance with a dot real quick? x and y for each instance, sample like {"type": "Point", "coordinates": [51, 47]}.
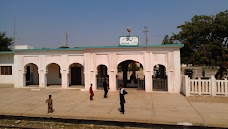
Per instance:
{"type": "Point", "coordinates": [129, 41]}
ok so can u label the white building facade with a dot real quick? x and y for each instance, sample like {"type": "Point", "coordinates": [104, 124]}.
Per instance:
{"type": "Point", "coordinates": [72, 67]}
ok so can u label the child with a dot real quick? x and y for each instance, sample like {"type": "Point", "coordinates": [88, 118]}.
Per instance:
{"type": "Point", "coordinates": [50, 106]}
{"type": "Point", "coordinates": [91, 92]}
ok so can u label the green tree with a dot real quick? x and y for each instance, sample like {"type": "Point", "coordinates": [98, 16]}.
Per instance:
{"type": "Point", "coordinates": [167, 40]}
{"type": "Point", "coordinates": [205, 40]}
{"type": "Point", "coordinates": [5, 42]}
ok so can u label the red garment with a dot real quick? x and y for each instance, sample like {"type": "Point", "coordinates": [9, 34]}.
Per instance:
{"type": "Point", "coordinates": [91, 91]}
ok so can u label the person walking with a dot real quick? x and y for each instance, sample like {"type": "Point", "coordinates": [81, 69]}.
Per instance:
{"type": "Point", "coordinates": [91, 92]}
{"type": "Point", "coordinates": [106, 88]}
{"type": "Point", "coordinates": [203, 73]}
{"type": "Point", "coordinates": [122, 99]}
{"type": "Point", "coordinates": [50, 104]}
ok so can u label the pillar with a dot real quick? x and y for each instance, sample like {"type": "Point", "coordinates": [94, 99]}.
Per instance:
{"type": "Point", "coordinates": [112, 80]}
{"type": "Point", "coordinates": [148, 81]}
{"type": "Point", "coordinates": [42, 78]}
{"type": "Point", "coordinates": [65, 78]}
{"type": "Point", "coordinates": [213, 86]}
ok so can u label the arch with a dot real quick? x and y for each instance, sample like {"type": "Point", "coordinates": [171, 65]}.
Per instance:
{"type": "Point", "coordinates": [53, 74]}
{"type": "Point", "coordinates": [52, 63]}
{"type": "Point", "coordinates": [76, 75]}
{"type": "Point", "coordinates": [75, 64]}
{"type": "Point", "coordinates": [31, 76]}
{"type": "Point", "coordinates": [29, 64]}
{"type": "Point", "coordinates": [130, 74]}
{"type": "Point", "coordinates": [102, 75]}
{"type": "Point", "coordinates": [136, 60]}
{"type": "Point", "coordinates": [159, 78]}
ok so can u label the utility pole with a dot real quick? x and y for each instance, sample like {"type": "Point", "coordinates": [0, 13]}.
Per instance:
{"type": "Point", "coordinates": [66, 39]}
{"type": "Point", "coordinates": [146, 31]}
{"type": "Point", "coordinates": [14, 22]}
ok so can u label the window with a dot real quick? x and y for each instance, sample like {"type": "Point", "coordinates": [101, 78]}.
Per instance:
{"type": "Point", "coordinates": [6, 70]}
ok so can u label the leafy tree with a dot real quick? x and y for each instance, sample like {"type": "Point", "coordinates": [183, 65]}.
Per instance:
{"type": "Point", "coordinates": [5, 42]}
{"type": "Point", "coordinates": [167, 40]}
{"type": "Point", "coordinates": [205, 40]}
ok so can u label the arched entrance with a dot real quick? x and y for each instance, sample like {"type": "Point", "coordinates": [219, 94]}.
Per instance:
{"type": "Point", "coordinates": [54, 76]}
{"type": "Point", "coordinates": [160, 78]}
{"type": "Point", "coordinates": [31, 75]}
{"type": "Point", "coordinates": [130, 74]}
{"type": "Point", "coordinates": [102, 75]}
{"type": "Point", "coordinates": [76, 75]}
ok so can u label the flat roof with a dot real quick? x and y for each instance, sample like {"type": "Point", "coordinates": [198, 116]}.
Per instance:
{"type": "Point", "coordinates": [105, 47]}
{"type": "Point", "coordinates": [7, 52]}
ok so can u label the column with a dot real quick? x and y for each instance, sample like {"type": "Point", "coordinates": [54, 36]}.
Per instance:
{"type": "Point", "coordinates": [148, 81]}
{"type": "Point", "coordinates": [65, 80]}
{"type": "Point", "coordinates": [112, 80]}
{"type": "Point", "coordinates": [42, 78]}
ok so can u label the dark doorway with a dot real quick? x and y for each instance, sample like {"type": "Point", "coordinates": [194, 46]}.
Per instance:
{"type": "Point", "coordinates": [28, 73]}
{"type": "Point", "coordinates": [102, 75]}
{"type": "Point", "coordinates": [130, 74]}
{"type": "Point", "coordinates": [31, 76]}
{"type": "Point", "coordinates": [160, 78]}
{"type": "Point", "coordinates": [76, 78]}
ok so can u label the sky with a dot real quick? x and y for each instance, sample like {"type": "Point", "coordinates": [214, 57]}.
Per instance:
{"type": "Point", "coordinates": [44, 23]}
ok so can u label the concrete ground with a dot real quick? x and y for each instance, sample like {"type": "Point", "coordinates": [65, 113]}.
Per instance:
{"type": "Point", "coordinates": [156, 108]}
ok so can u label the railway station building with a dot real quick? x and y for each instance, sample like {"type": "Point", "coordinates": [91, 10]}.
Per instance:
{"type": "Point", "coordinates": [152, 68]}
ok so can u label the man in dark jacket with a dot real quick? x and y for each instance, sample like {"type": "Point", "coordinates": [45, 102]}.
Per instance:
{"type": "Point", "coordinates": [122, 99]}
{"type": "Point", "coordinates": [106, 88]}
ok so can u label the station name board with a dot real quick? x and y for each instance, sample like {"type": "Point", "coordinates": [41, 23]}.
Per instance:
{"type": "Point", "coordinates": [129, 41]}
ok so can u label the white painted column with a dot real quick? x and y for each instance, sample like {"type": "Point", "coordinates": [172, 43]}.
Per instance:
{"type": "Point", "coordinates": [147, 71]}
{"type": "Point", "coordinates": [148, 81]}
{"type": "Point", "coordinates": [93, 79]}
{"type": "Point", "coordinates": [65, 80]}
{"type": "Point", "coordinates": [176, 71]}
{"type": "Point", "coordinates": [42, 78]}
{"type": "Point", "coordinates": [186, 89]}
{"type": "Point", "coordinates": [42, 72]}
{"type": "Point", "coordinates": [112, 80]}
{"type": "Point", "coordinates": [64, 71]}
{"type": "Point", "coordinates": [213, 86]}
{"type": "Point", "coordinates": [21, 73]}
{"type": "Point", "coordinates": [89, 71]}
{"type": "Point", "coordinates": [170, 81]}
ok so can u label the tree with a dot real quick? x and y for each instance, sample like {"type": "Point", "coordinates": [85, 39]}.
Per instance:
{"type": "Point", "coordinates": [205, 40]}
{"type": "Point", "coordinates": [5, 42]}
{"type": "Point", "coordinates": [167, 40]}
{"type": "Point", "coordinates": [63, 47]}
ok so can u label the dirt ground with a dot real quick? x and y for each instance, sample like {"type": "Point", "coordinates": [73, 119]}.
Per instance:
{"type": "Point", "coordinates": [53, 125]}
{"type": "Point", "coordinates": [207, 99]}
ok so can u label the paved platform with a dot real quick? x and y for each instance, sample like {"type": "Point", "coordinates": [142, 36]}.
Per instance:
{"type": "Point", "coordinates": [156, 108]}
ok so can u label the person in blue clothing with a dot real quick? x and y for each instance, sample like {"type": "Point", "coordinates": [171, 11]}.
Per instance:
{"type": "Point", "coordinates": [122, 99]}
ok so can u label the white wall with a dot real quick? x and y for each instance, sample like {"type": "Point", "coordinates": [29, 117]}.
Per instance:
{"type": "Point", "coordinates": [90, 59]}
{"type": "Point", "coordinates": [7, 60]}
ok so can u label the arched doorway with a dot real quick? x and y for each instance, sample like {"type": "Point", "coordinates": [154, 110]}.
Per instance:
{"type": "Point", "coordinates": [54, 77]}
{"type": "Point", "coordinates": [76, 75]}
{"type": "Point", "coordinates": [130, 74]}
{"type": "Point", "coordinates": [102, 75]}
{"type": "Point", "coordinates": [31, 75]}
{"type": "Point", "coordinates": [160, 78]}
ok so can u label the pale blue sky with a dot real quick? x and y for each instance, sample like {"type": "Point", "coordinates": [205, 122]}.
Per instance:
{"type": "Point", "coordinates": [43, 23]}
